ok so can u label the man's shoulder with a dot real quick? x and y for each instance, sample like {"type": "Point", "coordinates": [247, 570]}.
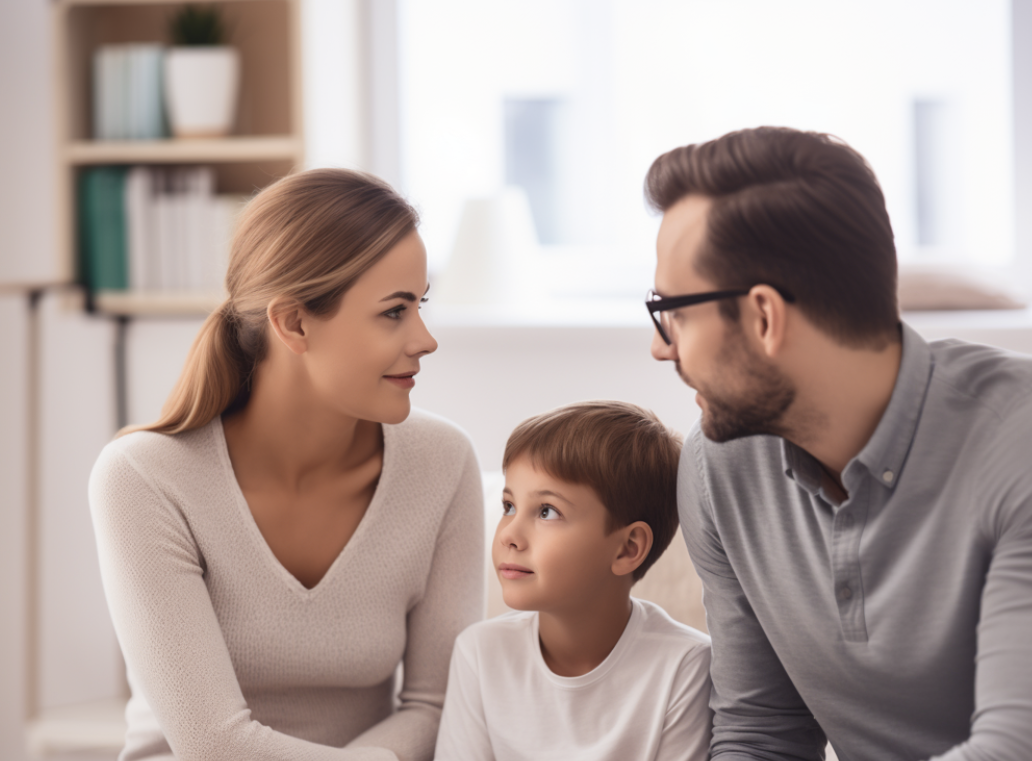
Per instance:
{"type": "Point", "coordinates": [700, 454]}
{"type": "Point", "coordinates": [991, 380]}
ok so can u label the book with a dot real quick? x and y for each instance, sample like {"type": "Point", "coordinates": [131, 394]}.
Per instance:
{"type": "Point", "coordinates": [102, 228]}
{"type": "Point", "coordinates": [128, 97]}
{"type": "Point", "coordinates": [155, 228]}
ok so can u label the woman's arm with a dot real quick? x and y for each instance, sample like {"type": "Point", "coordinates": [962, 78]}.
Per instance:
{"type": "Point", "coordinates": [152, 572]}
{"type": "Point", "coordinates": [452, 600]}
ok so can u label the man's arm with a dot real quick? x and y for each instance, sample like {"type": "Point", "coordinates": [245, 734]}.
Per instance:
{"type": "Point", "coordinates": [758, 714]}
{"type": "Point", "coordinates": [1001, 727]}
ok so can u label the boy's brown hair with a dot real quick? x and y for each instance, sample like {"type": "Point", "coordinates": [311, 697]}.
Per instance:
{"type": "Point", "coordinates": [621, 451]}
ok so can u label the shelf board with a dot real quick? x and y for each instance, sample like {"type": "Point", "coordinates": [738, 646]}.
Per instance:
{"type": "Point", "coordinates": [132, 2]}
{"type": "Point", "coordinates": [216, 150]}
{"type": "Point", "coordinates": [95, 726]}
{"type": "Point", "coordinates": [157, 303]}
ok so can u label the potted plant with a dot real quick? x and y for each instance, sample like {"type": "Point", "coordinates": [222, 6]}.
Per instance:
{"type": "Point", "coordinates": [202, 74]}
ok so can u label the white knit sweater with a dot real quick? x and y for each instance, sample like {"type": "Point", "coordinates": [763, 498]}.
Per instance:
{"type": "Point", "coordinates": [230, 657]}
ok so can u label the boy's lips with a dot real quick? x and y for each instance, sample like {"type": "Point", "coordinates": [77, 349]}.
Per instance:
{"type": "Point", "coordinates": [513, 571]}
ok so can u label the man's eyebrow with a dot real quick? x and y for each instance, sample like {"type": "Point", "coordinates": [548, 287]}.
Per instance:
{"type": "Point", "coordinates": [407, 295]}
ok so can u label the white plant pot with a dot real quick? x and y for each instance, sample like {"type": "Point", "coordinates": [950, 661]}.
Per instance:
{"type": "Point", "coordinates": [201, 89]}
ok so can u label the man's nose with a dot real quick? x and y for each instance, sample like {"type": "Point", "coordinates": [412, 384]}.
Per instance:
{"type": "Point", "coordinates": [661, 350]}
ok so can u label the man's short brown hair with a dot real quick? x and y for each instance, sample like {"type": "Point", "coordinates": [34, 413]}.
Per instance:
{"type": "Point", "coordinates": [623, 452]}
{"type": "Point", "coordinates": [800, 211]}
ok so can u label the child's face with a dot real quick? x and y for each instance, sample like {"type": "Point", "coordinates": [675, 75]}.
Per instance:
{"type": "Point", "coordinates": [551, 550]}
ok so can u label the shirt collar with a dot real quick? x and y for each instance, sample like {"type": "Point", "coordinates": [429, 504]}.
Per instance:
{"type": "Point", "coordinates": [884, 454]}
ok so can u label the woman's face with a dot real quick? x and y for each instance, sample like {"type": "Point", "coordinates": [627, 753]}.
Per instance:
{"type": "Point", "coordinates": [363, 360]}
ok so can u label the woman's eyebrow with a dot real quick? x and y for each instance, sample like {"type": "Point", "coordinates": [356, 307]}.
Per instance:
{"type": "Point", "coordinates": [407, 295]}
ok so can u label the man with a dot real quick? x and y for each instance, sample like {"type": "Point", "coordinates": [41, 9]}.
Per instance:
{"type": "Point", "coordinates": [858, 502]}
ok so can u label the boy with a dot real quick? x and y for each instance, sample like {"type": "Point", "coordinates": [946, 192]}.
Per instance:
{"type": "Point", "coordinates": [581, 669]}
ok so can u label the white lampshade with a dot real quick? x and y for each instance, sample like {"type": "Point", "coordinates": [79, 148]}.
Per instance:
{"type": "Point", "coordinates": [493, 253]}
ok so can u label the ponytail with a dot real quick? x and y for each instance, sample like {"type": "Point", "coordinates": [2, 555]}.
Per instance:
{"type": "Point", "coordinates": [216, 371]}
{"type": "Point", "coordinates": [307, 237]}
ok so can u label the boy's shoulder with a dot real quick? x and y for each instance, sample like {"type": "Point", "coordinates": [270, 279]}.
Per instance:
{"type": "Point", "coordinates": [654, 635]}
{"type": "Point", "coordinates": [663, 635]}
{"type": "Point", "coordinates": [505, 631]}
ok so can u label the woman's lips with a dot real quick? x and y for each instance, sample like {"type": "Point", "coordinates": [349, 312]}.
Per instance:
{"type": "Point", "coordinates": [511, 571]}
{"type": "Point", "coordinates": [406, 380]}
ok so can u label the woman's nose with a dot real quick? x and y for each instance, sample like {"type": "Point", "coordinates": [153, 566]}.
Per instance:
{"type": "Point", "coordinates": [423, 342]}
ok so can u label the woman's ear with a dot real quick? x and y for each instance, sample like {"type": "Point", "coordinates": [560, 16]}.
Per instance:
{"type": "Point", "coordinates": [635, 547]}
{"type": "Point", "coordinates": [287, 320]}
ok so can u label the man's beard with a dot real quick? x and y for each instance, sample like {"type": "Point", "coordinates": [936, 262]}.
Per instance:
{"type": "Point", "coordinates": [758, 409]}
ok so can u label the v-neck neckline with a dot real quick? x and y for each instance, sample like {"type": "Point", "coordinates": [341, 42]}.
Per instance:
{"type": "Point", "coordinates": [247, 517]}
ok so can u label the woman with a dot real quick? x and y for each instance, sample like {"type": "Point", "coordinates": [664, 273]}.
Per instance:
{"type": "Point", "coordinates": [287, 533]}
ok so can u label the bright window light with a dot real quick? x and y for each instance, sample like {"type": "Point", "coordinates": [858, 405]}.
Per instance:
{"type": "Point", "coordinates": [573, 99]}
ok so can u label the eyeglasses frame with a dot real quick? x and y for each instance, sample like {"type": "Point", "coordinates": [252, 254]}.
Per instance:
{"type": "Point", "coordinates": [656, 303]}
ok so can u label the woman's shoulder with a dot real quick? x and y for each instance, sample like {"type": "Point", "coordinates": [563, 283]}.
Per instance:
{"type": "Point", "coordinates": [158, 454]}
{"type": "Point", "coordinates": [428, 431]}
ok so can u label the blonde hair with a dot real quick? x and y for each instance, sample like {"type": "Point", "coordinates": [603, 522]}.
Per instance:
{"type": "Point", "coordinates": [307, 237]}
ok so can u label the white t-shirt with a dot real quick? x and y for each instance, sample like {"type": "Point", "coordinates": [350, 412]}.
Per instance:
{"type": "Point", "coordinates": [647, 701]}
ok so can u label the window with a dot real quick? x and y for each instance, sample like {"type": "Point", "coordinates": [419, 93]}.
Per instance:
{"type": "Point", "coordinates": [573, 99]}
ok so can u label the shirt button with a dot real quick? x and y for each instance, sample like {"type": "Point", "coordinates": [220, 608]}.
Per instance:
{"type": "Point", "coordinates": [887, 476]}
{"type": "Point", "coordinates": [845, 593]}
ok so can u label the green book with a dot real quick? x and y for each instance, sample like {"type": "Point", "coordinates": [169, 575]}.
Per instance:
{"type": "Point", "coordinates": [102, 228]}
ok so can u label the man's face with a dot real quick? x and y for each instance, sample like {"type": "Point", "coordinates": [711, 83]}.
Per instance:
{"type": "Point", "coordinates": [740, 392]}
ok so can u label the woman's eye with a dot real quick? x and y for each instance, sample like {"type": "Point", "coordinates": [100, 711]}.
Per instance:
{"type": "Point", "coordinates": [549, 513]}
{"type": "Point", "coordinates": [508, 508]}
{"type": "Point", "coordinates": [395, 314]}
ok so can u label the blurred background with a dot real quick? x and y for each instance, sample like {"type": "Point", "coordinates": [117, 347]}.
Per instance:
{"type": "Point", "coordinates": [522, 132]}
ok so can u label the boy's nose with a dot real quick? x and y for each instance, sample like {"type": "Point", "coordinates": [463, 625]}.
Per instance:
{"type": "Point", "coordinates": [510, 535]}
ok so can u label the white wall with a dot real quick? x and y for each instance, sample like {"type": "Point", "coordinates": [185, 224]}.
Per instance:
{"type": "Point", "coordinates": [13, 484]}
{"type": "Point", "coordinates": [27, 235]}
{"type": "Point", "coordinates": [79, 658]}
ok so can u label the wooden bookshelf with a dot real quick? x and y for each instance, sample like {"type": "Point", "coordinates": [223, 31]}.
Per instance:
{"type": "Point", "coordinates": [230, 149]}
{"type": "Point", "coordinates": [267, 143]}
{"type": "Point", "coordinates": [157, 303]}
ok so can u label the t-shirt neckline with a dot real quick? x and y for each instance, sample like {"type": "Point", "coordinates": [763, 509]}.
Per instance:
{"type": "Point", "coordinates": [630, 631]}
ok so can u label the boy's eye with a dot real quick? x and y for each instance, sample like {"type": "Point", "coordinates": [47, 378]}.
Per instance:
{"type": "Point", "coordinates": [549, 513]}
{"type": "Point", "coordinates": [508, 508]}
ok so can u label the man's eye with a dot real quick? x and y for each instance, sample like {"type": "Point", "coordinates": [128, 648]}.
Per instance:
{"type": "Point", "coordinates": [549, 513]}
{"type": "Point", "coordinates": [508, 508]}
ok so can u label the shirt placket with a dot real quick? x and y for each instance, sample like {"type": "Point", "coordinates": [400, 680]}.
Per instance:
{"type": "Point", "coordinates": [847, 528]}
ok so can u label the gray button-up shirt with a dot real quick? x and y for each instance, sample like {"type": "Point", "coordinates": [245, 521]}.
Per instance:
{"type": "Point", "coordinates": [899, 623]}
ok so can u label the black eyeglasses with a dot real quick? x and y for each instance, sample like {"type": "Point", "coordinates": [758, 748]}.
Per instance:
{"type": "Point", "coordinates": [657, 304]}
